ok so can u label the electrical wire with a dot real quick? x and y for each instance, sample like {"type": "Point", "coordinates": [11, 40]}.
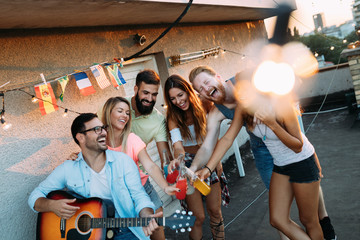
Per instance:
{"type": "Point", "coordinates": [162, 34]}
{"type": "Point", "coordinates": [40, 99]}
{"type": "Point", "coordinates": [265, 190]}
{"type": "Point", "coordinates": [327, 93]}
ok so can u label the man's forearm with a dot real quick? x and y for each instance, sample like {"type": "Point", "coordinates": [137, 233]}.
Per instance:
{"type": "Point", "coordinates": [43, 205]}
{"type": "Point", "coordinates": [146, 212]}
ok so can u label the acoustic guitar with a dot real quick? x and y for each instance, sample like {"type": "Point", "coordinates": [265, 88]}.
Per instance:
{"type": "Point", "coordinates": [92, 220]}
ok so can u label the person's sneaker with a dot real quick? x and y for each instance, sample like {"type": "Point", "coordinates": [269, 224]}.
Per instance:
{"type": "Point", "coordinates": [328, 229]}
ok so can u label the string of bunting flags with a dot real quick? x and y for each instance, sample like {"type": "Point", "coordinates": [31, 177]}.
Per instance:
{"type": "Point", "coordinates": [105, 74]}
{"type": "Point", "coordinates": [45, 94]}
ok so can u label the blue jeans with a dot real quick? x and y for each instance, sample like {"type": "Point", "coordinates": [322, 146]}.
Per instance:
{"type": "Point", "coordinates": [124, 234]}
{"type": "Point", "coordinates": [150, 190]}
{"type": "Point", "coordinates": [263, 159]}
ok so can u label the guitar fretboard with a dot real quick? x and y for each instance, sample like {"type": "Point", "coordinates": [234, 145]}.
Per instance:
{"type": "Point", "coordinates": [123, 222]}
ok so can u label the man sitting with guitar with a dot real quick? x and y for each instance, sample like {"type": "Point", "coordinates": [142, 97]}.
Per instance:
{"type": "Point", "coordinates": [97, 172]}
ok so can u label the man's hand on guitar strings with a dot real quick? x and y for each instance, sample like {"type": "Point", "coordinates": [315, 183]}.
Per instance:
{"type": "Point", "coordinates": [63, 209]}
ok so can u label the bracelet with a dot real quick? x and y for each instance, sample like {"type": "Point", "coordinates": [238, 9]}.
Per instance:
{"type": "Point", "coordinates": [208, 169]}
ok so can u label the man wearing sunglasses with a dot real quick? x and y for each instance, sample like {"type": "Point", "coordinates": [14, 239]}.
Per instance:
{"type": "Point", "coordinates": [97, 172]}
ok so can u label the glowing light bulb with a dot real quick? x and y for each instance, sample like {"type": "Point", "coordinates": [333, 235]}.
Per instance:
{"type": "Point", "coordinates": [285, 81]}
{"type": "Point", "coordinates": [5, 125]}
{"type": "Point", "coordinates": [261, 77]}
{"type": "Point", "coordinates": [316, 54]}
{"type": "Point", "coordinates": [34, 99]}
{"type": "Point", "coordinates": [332, 48]}
{"type": "Point", "coordinates": [344, 41]}
{"type": "Point", "coordinates": [278, 78]}
{"type": "Point", "coordinates": [65, 113]}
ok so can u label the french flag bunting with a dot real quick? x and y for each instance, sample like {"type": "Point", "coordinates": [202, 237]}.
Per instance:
{"type": "Point", "coordinates": [115, 75]}
{"type": "Point", "coordinates": [84, 84]}
{"type": "Point", "coordinates": [100, 76]}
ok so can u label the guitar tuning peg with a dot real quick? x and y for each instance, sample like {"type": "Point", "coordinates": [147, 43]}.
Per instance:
{"type": "Point", "coordinates": [174, 226]}
{"type": "Point", "coordinates": [182, 230]}
{"type": "Point", "coordinates": [189, 229]}
{"type": "Point", "coordinates": [177, 211]}
{"type": "Point", "coordinates": [177, 231]}
{"type": "Point", "coordinates": [183, 212]}
{"type": "Point", "coordinates": [190, 213]}
{"type": "Point", "coordinates": [187, 224]}
{"type": "Point", "coordinates": [180, 225]}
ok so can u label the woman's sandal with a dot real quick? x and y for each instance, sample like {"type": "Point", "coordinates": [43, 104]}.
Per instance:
{"type": "Point", "coordinates": [217, 230]}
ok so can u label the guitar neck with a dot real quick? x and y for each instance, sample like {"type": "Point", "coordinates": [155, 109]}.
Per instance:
{"type": "Point", "coordinates": [124, 222]}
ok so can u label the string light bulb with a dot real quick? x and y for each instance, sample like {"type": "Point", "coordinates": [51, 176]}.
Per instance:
{"type": "Point", "coordinates": [344, 41]}
{"type": "Point", "coordinates": [332, 48]}
{"type": "Point", "coordinates": [65, 113]}
{"type": "Point", "coordinates": [316, 54]}
{"type": "Point", "coordinates": [34, 99]}
{"type": "Point", "coordinates": [4, 124]}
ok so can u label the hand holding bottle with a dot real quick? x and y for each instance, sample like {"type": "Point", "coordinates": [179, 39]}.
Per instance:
{"type": "Point", "coordinates": [198, 183]}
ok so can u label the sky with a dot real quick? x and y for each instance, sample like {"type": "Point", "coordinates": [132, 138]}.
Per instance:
{"type": "Point", "coordinates": [336, 12]}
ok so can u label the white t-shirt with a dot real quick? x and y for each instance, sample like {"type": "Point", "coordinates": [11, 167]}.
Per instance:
{"type": "Point", "coordinates": [99, 185]}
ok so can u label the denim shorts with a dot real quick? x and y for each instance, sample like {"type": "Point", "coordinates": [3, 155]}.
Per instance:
{"type": "Point", "coordinates": [263, 159]}
{"type": "Point", "coordinates": [150, 190]}
{"type": "Point", "coordinates": [305, 171]}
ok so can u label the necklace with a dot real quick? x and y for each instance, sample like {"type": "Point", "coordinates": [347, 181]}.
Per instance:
{"type": "Point", "coordinates": [263, 135]}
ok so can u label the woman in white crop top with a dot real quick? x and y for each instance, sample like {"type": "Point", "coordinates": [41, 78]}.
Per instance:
{"type": "Point", "coordinates": [296, 170]}
{"type": "Point", "coordinates": [186, 121]}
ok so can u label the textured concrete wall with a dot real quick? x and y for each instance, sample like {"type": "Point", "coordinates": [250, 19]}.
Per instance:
{"type": "Point", "coordinates": [37, 144]}
{"type": "Point", "coordinates": [319, 84]}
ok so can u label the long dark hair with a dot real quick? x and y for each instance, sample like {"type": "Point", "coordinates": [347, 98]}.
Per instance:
{"type": "Point", "coordinates": [178, 116]}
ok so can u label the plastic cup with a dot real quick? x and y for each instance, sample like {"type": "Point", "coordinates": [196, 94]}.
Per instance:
{"type": "Point", "coordinates": [171, 178]}
{"type": "Point", "coordinates": [182, 185]}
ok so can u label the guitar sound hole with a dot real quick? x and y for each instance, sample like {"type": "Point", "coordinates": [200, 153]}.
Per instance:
{"type": "Point", "coordinates": [84, 223]}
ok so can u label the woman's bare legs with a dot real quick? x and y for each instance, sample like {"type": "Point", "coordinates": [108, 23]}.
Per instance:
{"type": "Point", "coordinates": [307, 200]}
{"type": "Point", "coordinates": [194, 203]}
{"type": "Point", "coordinates": [213, 206]}
{"type": "Point", "coordinates": [280, 198]}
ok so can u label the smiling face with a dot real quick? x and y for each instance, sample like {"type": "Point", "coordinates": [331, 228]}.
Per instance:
{"type": "Point", "coordinates": [92, 140]}
{"type": "Point", "coordinates": [179, 98]}
{"type": "Point", "coordinates": [210, 87]}
{"type": "Point", "coordinates": [145, 97]}
{"type": "Point", "coordinates": [120, 116]}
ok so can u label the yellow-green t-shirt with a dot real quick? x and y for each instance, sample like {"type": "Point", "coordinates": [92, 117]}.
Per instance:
{"type": "Point", "coordinates": [148, 127]}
